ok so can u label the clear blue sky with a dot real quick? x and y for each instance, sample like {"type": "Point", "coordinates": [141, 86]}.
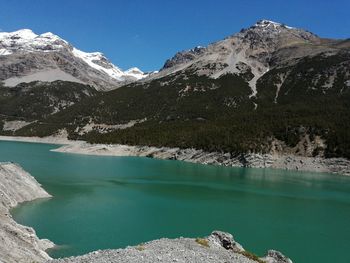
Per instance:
{"type": "Point", "coordinates": [144, 33]}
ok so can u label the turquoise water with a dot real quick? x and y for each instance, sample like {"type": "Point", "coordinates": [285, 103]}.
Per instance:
{"type": "Point", "coordinates": [113, 202]}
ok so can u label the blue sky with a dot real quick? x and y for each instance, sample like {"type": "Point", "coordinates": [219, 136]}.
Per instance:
{"type": "Point", "coordinates": [144, 33]}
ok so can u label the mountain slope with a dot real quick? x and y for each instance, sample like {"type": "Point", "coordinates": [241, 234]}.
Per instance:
{"type": "Point", "coordinates": [30, 102]}
{"type": "Point", "coordinates": [269, 88]}
{"type": "Point", "coordinates": [26, 56]}
{"type": "Point", "coordinates": [251, 52]}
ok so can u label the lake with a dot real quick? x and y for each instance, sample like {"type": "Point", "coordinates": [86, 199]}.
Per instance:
{"type": "Point", "coordinates": [113, 202]}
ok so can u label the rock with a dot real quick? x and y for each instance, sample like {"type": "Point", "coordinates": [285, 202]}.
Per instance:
{"type": "Point", "coordinates": [225, 240]}
{"type": "Point", "coordinates": [274, 256]}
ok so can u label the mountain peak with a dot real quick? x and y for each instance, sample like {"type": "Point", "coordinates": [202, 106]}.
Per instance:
{"type": "Point", "coordinates": [264, 23]}
{"type": "Point", "coordinates": [266, 31]}
{"type": "Point", "coordinates": [26, 33]}
{"type": "Point", "coordinates": [19, 34]}
{"type": "Point", "coordinates": [48, 35]}
{"type": "Point", "coordinates": [134, 70]}
{"type": "Point", "coordinates": [265, 26]}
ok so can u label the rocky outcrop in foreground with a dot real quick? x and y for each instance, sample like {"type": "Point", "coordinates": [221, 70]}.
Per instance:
{"type": "Point", "coordinates": [219, 247]}
{"type": "Point", "coordinates": [19, 243]}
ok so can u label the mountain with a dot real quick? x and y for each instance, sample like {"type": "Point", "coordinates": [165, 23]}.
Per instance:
{"type": "Point", "coordinates": [251, 53]}
{"type": "Point", "coordinates": [26, 56]}
{"type": "Point", "coordinates": [269, 88]}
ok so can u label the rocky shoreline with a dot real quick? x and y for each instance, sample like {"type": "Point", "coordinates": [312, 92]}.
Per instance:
{"type": "Point", "coordinates": [19, 244]}
{"type": "Point", "coordinates": [252, 160]}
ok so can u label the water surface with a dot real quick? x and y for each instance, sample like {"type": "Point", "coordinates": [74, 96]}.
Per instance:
{"type": "Point", "coordinates": [113, 202]}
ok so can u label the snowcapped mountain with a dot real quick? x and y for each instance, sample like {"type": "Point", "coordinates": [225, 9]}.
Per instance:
{"type": "Point", "coordinates": [26, 56]}
{"type": "Point", "coordinates": [250, 53]}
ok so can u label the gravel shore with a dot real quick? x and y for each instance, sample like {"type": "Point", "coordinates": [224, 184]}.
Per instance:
{"type": "Point", "coordinates": [219, 247]}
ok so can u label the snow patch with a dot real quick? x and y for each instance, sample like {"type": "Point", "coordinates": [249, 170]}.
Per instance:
{"type": "Point", "coordinates": [24, 34]}
{"type": "Point", "coordinates": [136, 73]}
{"type": "Point", "coordinates": [5, 52]}
{"type": "Point", "coordinates": [99, 62]}
{"type": "Point", "coordinates": [92, 58]}
{"type": "Point", "coordinates": [268, 24]}
{"type": "Point", "coordinates": [28, 41]}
